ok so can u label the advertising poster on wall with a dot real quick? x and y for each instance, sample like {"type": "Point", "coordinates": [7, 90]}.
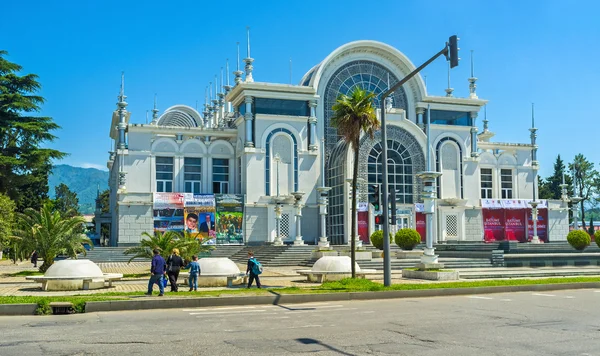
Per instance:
{"type": "Point", "coordinates": [363, 221]}
{"type": "Point", "coordinates": [200, 215]}
{"type": "Point", "coordinates": [168, 211]}
{"type": "Point", "coordinates": [420, 221]}
{"type": "Point", "coordinates": [229, 219]}
{"type": "Point", "coordinates": [493, 225]}
{"type": "Point", "coordinates": [515, 224]}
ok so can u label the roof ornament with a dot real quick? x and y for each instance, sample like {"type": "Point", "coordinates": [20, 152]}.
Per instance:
{"type": "Point", "coordinates": [472, 81]}
{"type": "Point", "coordinates": [249, 61]}
{"type": "Point", "coordinates": [154, 113]}
{"type": "Point", "coordinates": [485, 120]}
{"type": "Point", "coordinates": [206, 106]}
{"type": "Point", "coordinates": [215, 102]}
{"type": "Point", "coordinates": [238, 73]}
{"type": "Point", "coordinates": [227, 89]}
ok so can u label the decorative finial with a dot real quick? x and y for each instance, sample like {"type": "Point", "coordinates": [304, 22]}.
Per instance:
{"type": "Point", "coordinates": [154, 112]}
{"type": "Point", "coordinates": [249, 61]}
{"type": "Point", "coordinates": [532, 116]}
{"type": "Point", "coordinates": [122, 83]}
{"type": "Point", "coordinates": [449, 90]}
{"type": "Point", "coordinates": [221, 85]}
{"type": "Point", "coordinates": [485, 120]}
{"type": "Point", "coordinates": [248, 32]}
{"type": "Point", "coordinates": [227, 69]}
{"type": "Point", "coordinates": [238, 73]}
{"type": "Point", "coordinates": [472, 81]}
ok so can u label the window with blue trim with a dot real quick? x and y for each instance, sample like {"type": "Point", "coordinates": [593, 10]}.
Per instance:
{"type": "Point", "coordinates": [445, 117]}
{"type": "Point", "coordinates": [268, 166]}
{"type": "Point", "coordinates": [281, 107]}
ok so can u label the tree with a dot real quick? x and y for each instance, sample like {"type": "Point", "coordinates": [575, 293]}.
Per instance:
{"type": "Point", "coordinates": [50, 234]}
{"type": "Point", "coordinates": [354, 115]}
{"type": "Point", "coordinates": [591, 227]}
{"type": "Point", "coordinates": [66, 201]}
{"type": "Point", "coordinates": [550, 187]}
{"type": "Point", "coordinates": [24, 163]}
{"type": "Point", "coordinates": [587, 179]}
{"type": "Point", "coordinates": [7, 220]}
{"type": "Point", "coordinates": [165, 242]}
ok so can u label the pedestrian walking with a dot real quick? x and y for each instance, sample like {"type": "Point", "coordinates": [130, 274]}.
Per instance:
{"type": "Point", "coordinates": [174, 264]}
{"type": "Point", "coordinates": [253, 269]}
{"type": "Point", "coordinates": [194, 268]}
{"type": "Point", "coordinates": [157, 270]}
{"type": "Point", "coordinates": [34, 258]}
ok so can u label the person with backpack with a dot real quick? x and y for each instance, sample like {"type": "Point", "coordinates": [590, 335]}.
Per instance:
{"type": "Point", "coordinates": [254, 269]}
{"type": "Point", "coordinates": [194, 268]}
{"type": "Point", "coordinates": [174, 264]}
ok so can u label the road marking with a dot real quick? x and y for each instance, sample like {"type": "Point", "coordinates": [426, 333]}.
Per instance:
{"type": "Point", "coordinates": [213, 309]}
{"type": "Point", "coordinates": [316, 310]}
{"type": "Point", "coordinates": [230, 312]}
{"type": "Point", "coordinates": [479, 297]}
{"type": "Point", "coordinates": [569, 297]}
{"type": "Point", "coordinates": [506, 300]}
{"type": "Point", "coordinates": [544, 295]}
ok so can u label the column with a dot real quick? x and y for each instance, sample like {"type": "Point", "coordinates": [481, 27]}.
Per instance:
{"type": "Point", "coordinates": [248, 119]}
{"type": "Point", "coordinates": [474, 151]}
{"type": "Point", "coordinates": [299, 241]}
{"type": "Point", "coordinates": [278, 241]}
{"type": "Point", "coordinates": [312, 120]}
{"type": "Point", "coordinates": [420, 112]}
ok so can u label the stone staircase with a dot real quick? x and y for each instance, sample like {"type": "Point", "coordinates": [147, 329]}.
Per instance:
{"type": "Point", "coordinates": [110, 254]}
{"type": "Point", "coordinates": [226, 250]}
{"type": "Point", "coordinates": [275, 256]}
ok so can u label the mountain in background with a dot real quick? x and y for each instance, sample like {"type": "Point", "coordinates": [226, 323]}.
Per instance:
{"type": "Point", "coordinates": [83, 181]}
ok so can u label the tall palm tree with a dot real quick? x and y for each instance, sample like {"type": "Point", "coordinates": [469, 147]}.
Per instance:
{"type": "Point", "coordinates": [353, 115]}
{"type": "Point", "coordinates": [165, 242]}
{"type": "Point", "coordinates": [50, 234]}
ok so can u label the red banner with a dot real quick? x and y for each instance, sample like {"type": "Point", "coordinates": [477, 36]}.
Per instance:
{"type": "Point", "coordinates": [514, 220]}
{"type": "Point", "coordinates": [363, 226]}
{"type": "Point", "coordinates": [542, 224]}
{"type": "Point", "coordinates": [421, 225]}
{"type": "Point", "coordinates": [493, 224]}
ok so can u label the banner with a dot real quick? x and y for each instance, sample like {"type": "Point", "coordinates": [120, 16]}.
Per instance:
{"type": "Point", "coordinates": [363, 226]}
{"type": "Point", "coordinates": [168, 211]}
{"type": "Point", "coordinates": [230, 218]}
{"type": "Point", "coordinates": [515, 224]}
{"type": "Point", "coordinates": [421, 225]}
{"type": "Point", "coordinates": [493, 224]}
{"type": "Point", "coordinates": [542, 224]}
{"type": "Point", "coordinates": [200, 215]}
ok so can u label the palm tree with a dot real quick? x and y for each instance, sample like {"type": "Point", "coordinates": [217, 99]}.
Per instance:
{"type": "Point", "coordinates": [354, 115]}
{"type": "Point", "coordinates": [50, 234]}
{"type": "Point", "coordinates": [165, 242]}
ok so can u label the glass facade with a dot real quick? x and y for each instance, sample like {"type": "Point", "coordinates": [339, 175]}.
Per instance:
{"type": "Point", "coordinates": [444, 117]}
{"type": "Point", "coordinates": [335, 217]}
{"type": "Point", "coordinates": [192, 168]}
{"type": "Point", "coordinates": [164, 174]}
{"type": "Point", "coordinates": [220, 170]}
{"type": "Point", "coordinates": [280, 107]}
{"type": "Point", "coordinates": [400, 170]}
{"type": "Point", "coordinates": [486, 183]}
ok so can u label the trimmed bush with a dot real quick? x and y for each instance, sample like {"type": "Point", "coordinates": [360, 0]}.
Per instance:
{"type": "Point", "coordinates": [377, 239]}
{"type": "Point", "coordinates": [407, 239]}
{"type": "Point", "coordinates": [597, 237]}
{"type": "Point", "coordinates": [579, 239]}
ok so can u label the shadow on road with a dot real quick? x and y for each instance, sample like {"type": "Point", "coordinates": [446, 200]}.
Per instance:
{"type": "Point", "coordinates": [309, 341]}
{"type": "Point", "coordinates": [278, 297]}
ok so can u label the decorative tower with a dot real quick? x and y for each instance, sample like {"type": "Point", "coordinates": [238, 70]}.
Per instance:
{"type": "Point", "coordinates": [221, 95]}
{"type": "Point", "coordinates": [534, 166]}
{"type": "Point", "coordinates": [472, 81]}
{"type": "Point", "coordinates": [215, 102]}
{"type": "Point", "coordinates": [238, 73]}
{"type": "Point", "coordinates": [154, 113]}
{"type": "Point", "coordinates": [205, 113]}
{"type": "Point", "coordinates": [449, 90]}
{"type": "Point", "coordinates": [227, 90]}
{"type": "Point", "coordinates": [533, 130]}
{"type": "Point", "coordinates": [121, 126]}
{"type": "Point", "coordinates": [249, 61]}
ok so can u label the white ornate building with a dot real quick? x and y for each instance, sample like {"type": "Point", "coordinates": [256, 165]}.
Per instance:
{"type": "Point", "coordinates": [267, 141]}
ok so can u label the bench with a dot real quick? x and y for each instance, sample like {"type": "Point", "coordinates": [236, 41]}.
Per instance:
{"type": "Point", "coordinates": [230, 277]}
{"type": "Point", "coordinates": [321, 276]}
{"type": "Point", "coordinates": [107, 277]}
{"type": "Point", "coordinates": [62, 308]}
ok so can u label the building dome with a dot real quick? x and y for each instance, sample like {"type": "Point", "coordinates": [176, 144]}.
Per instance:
{"type": "Point", "coordinates": [180, 116]}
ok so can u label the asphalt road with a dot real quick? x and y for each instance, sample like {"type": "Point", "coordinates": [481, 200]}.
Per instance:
{"type": "Point", "coordinates": [553, 323]}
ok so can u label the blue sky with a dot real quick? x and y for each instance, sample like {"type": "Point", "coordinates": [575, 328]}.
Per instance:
{"type": "Point", "coordinates": [525, 51]}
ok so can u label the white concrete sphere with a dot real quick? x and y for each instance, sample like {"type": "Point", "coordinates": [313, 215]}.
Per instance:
{"type": "Point", "coordinates": [74, 269]}
{"type": "Point", "coordinates": [334, 264]}
{"type": "Point", "coordinates": [220, 265]}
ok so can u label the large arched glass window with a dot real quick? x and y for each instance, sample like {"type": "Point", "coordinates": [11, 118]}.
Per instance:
{"type": "Point", "coordinates": [400, 170]}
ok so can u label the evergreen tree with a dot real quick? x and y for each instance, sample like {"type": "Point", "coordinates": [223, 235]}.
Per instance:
{"type": "Point", "coordinates": [66, 201]}
{"type": "Point", "coordinates": [587, 180]}
{"type": "Point", "coordinates": [24, 163]}
{"type": "Point", "coordinates": [7, 220]}
{"type": "Point", "coordinates": [591, 228]}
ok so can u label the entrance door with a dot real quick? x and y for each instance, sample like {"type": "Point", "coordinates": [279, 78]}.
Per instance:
{"type": "Point", "coordinates": [403, 222]}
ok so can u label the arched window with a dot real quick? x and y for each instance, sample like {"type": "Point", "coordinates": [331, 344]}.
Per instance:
{"type": "Point", "coordinates": [400, 170]}
{"type": "Point", "coordinates": [281, 143]}
{"type": "Point", "coordinates": [449, 163]}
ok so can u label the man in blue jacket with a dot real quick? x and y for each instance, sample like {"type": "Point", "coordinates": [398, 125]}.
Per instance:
{"type": "Point", "coordinates": [157, 270]}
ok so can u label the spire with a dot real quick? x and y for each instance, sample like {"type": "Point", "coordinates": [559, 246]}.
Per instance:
{"type": "Point", "coordinates": [155, 113]}
{"type": "Point", "coordinates": [485, 120]}
{"type": "Point", "coordinates": [533, 136]}
{"type": "Point", "coordinates": [472, 81]}
{"type": "Point", "coordinates": [532, 116]}
{"type": "Point", "coordinates": [227, 89]}
{"type": "Point", "coordinates": [449, 90]}
{"type": "Point", "coordinates": [238, 73]}
{"type": "Point", "coordinates": [206, 106]}
{"type": "Point", "coordinates": [249, 61]}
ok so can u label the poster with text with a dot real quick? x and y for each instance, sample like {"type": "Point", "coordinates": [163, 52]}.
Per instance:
{"type": "Point", "coordinates": [421, 221]}
{"type": "Point", "coordinates": [200, 215]}
{"type": "Point", "coordinates": [229, 218]}
{"type": "Point", "coordinates": [168, 213]}
{"type": "Point", "coordinates": [363, 226]}
{"type": "Point", "coordinates": [515, 224]}
{"type": "Point", "coordinates": [542, 224]}
{"type": "Point", "coordinates": [493, 225]}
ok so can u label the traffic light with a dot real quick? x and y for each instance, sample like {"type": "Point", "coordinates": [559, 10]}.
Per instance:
{"type": "Point", "coordinates": [452, 55]}
{"type": "Point", "coordinates": [375, 197]}
{"type": "Point", "coordinates": [378, 220]}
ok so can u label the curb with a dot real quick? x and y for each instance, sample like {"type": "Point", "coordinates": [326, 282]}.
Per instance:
{"type": "Point", "coordinates": [18, 309]}
{"type": "Point", "coordinates": [167, 303]}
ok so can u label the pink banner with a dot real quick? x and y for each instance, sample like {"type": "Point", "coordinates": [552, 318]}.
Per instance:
{"type": "Point", "coordinates": [363, 226]}
{"type": "Point", "coordinates": [421, 225]}
{"type": "Point", "coordinates": [493, 225]}
{"type": "Point", "coordinates": [514, 220]}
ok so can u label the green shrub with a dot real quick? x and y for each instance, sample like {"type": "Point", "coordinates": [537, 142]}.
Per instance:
{"type": "Point", "coordinates": [407, 239]}
{"type": "Point", "coordinates": [597, 237]}
{"type": "Point", "coordinates": [579, 239]}
{"type": "Point", "coordinates": [377, 239]}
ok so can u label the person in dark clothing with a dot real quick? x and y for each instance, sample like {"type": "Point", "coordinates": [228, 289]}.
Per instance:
{"type": "Point", "coordinates": [174, 264]}
{"type": "Point", "coordinates": [207, 225]}
{"type": "Point", "coordinates": [157, 270]}
{"type": "Point", "coordinates": [34, 258]}
{"type": "Point", "coordinates": [250, 271]}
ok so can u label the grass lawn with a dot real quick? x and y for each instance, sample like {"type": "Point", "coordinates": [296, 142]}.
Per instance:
{"type": "Point", "coordinates": [25, 274]}
{"type": "Point", "coordinates": [345, 285]}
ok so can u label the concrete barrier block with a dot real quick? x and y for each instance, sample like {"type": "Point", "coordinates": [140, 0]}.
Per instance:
{"type": "Point", "coordinates": [18, 309]}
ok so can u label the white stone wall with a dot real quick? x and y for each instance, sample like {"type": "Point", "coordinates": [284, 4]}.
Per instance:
{"type": "Point", "coordinates": [473, 225]}
{"type": "Point", "coordinates": [558, 220]}
{"type": "Point", "coordinates": [134, 217]}
{"type": "Point", "coordinates": [256, 225]}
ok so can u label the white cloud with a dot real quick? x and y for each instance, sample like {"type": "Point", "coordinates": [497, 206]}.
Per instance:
{"type": "Point", "coordinates": [92, 165]}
